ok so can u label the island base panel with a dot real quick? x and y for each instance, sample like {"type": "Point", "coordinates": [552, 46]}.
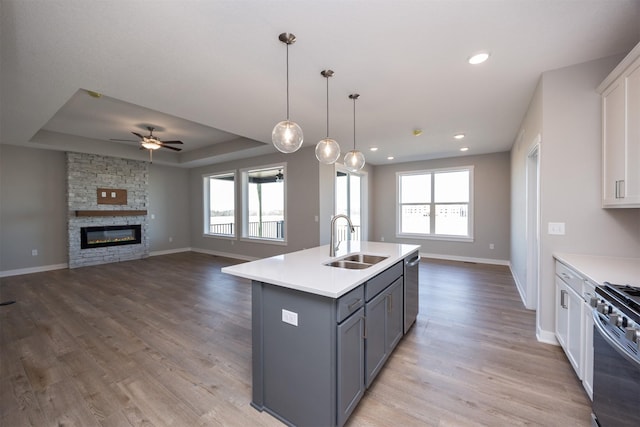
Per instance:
{"type": "Point", "coordinates": [292, 365]}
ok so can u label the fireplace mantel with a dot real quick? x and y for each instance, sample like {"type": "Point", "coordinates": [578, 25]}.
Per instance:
{"type": "Point", "coordinates": [112, 213]}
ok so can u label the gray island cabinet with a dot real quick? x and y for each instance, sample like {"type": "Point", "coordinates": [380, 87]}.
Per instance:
{"type": "Point", "coordinates": [317, 349]}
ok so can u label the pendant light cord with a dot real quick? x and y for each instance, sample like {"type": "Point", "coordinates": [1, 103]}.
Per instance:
{"type": "Point", "coordinates": [327, 107]}
{"type": "Point", "coordinates": [354, 124]}
{"type": "Point", "coordinates": [287, 81]}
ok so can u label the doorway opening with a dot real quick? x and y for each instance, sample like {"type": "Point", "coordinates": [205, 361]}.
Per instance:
{"type": "Point", "coordinates": [533, 225]}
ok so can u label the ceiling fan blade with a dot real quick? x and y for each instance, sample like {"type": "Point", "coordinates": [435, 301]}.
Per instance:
{"type": "Point", "coordinates": [123, 140]}
{"type": "Point", "coordinates": [138, 135]}
{"type": "Point", "coordinates": [170, 147]}
{"type": "Point", "coordinates": [172, 142]}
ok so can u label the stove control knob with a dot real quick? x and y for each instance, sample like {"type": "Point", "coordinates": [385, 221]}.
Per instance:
{"type": "Point", "coordinates": [601, 307]}
{"type": "Point", "coordinates": [632, 334]}
{"type": "Point", "coordinates": [615, 319]}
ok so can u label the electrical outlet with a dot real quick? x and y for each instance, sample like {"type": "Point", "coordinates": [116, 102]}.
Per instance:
{"type": "Point", "coordinates": [34, 252]}
{"type": "Point", "coordinates": [382, 239]}
{"type": "Point", "coordinates": [290, 317]}
{"type": "Point", "coordinates": [170, 239]}
{"type": "Point", "coordinates": [492, 246]}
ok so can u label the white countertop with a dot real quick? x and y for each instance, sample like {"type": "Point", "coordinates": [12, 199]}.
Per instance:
{"type": "Point", "coordinates": [304, 270]}
{"type": "Point", "coordinates": [599, 269]}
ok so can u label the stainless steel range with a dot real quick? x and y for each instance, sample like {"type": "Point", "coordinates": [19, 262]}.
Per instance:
{"type": "Point", "coordinates": [616, 358]}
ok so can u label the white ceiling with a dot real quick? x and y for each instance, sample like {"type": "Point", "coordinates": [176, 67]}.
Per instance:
{"type": "Point", "coordinates": [212, 73]}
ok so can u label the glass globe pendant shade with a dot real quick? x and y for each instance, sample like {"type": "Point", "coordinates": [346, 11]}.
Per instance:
{"type": "Point", "coordinates": [354, 160]}
{"type": "Point", "coordinates": [327, 151]}
{"type": "Point", "coordinates": [287, 136]}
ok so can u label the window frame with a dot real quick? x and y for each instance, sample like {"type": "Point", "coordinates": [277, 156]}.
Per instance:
{"type": "Point", "coordinates": [206, 205]}
{"type": "Point", "coordinates": [432, 204]}
{"type": "Point", "coordinates": [364, 183]}
{"type": "Point", "coordinates": [244, 211]}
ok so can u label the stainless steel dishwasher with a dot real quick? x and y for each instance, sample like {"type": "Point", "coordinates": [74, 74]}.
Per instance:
{"type": "Point", "coordinates": [411, 294]}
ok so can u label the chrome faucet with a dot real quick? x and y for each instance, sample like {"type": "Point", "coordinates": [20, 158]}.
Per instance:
{"type": "Point", "coordinates": [332, 246]}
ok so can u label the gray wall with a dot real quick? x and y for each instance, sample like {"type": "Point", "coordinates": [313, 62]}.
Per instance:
{"type": "Point", "coordinates": [303, 195]}
{"type": "Point", "coordinates": [169, 209]}
{"type": "Point", "coordinates": [33, 208]}
{"type": "Point", "coordinates": [491, 208]}
{"type": "Point", "coordinates": [570, 173]}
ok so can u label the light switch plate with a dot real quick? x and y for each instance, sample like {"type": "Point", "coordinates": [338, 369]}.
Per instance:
{"type": "Point", "coordinates": [290, 317]}
{"type": "Point", "coordinates": [556, 228]}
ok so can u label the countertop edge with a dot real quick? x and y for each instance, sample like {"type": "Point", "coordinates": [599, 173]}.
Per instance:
{"type": "Point", "coordinates": [268, 270]}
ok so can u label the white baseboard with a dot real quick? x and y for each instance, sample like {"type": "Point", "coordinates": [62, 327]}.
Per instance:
{"type": "Point", "coordinates": [225, 254]}
{"type": "Point", "coordinates": [547, 337]}
{"type": "Point", "coordinates": [466, 259]}
{"type": "Point", "coordinates": [169, 251]}
{"type": "Point", "coordinates": [520, 289]}
{"type": "Point", "coordinates": [30, 270]}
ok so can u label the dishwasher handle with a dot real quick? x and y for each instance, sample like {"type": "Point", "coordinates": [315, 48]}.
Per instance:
{"type": "Point", "coordinates": [413, 262]}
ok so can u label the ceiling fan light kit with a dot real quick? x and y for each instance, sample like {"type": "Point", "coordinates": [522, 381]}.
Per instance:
{"type": "Point", "coordinates": [327, 150]}
{"type": "Point", "coordinates": [354, 160]}
{"type": "Point", "coordinates": [287, 136]}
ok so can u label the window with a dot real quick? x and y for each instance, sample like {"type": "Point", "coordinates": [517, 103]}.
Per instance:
{"type": "Point", "coordinates": [348, 202]}
{"type": "Point", "coordinates": [219, 204]}
{"type": "Point", "coordinates": [264, 203]}
{"type": "Point", "coordinates": [436, 204]}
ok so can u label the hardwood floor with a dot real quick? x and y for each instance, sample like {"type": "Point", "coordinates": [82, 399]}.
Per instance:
{"type": "Point", "coordinates": [167, 341]}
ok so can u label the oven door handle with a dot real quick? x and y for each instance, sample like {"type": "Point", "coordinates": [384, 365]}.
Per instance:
{"type": "Point", "coordinates": [598, 319]}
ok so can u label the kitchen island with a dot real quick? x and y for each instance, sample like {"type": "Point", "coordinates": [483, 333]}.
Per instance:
{"type": "Point", "coordinates": [321, 334]}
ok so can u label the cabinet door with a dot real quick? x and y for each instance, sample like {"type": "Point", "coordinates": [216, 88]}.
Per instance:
{"type": "Point", "coordinates": [562, 312]}
{"type": "Point", "coordinates": [375, 341]}
{"type": "Point", "coordinates": [613, 148]}
{"type": "Point", "coordinates": [394, 314]}
{"type": "Point", "coordinates": [587, 377]}
{"type": "Point", "coordinates": [574, 333]}
{"type": "Point", "coordinates": [350, 381]}
{"type": "Point", "coordinates": [631, 186]}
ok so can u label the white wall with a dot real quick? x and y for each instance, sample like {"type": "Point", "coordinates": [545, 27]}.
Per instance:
{"type": "Point", "coordinates": [570, 188]}
{"type": "Point", "coordinates": [491, 208]}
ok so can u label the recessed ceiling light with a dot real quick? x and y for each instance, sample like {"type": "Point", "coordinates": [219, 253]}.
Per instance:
{"type": "Point", "coordinates": [458, 136]}
{"type": "Point", "coordinates": [373, 148]}
{"type": "Point", "coordinates": [478, 58]}
{"type": "Point", "coordinates": [390, 158]}
{"type": "Point", "coordinates": [464, 149]}
{"type": "Point", "coordinates": [94, 94]}
{"type": "Point", "coordinates": [417, 132]}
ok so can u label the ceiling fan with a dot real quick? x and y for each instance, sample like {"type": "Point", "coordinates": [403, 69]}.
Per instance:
{"type": "Point", "coordinates": [151, 142]}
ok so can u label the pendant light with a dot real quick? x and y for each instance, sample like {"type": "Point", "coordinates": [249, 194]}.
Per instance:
{"type": "Point", "coordinates": [327, 150]}
{"type": "Point", "coordinates": [287, 135]}
{"type": "Point", "coordinates": [354, 159]}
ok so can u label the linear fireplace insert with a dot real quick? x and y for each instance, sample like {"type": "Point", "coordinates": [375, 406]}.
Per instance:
{"type": "Point", "coordinates": [111, 235]}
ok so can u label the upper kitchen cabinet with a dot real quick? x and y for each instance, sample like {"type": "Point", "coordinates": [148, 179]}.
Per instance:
{"type": "Point", "coordinates": [621, 134]}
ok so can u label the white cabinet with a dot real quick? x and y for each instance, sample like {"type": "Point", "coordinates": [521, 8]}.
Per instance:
{"type": "Point", "coordinates": [569, 323]}
{"type": "Point", "coordinates": [621, 134]}
{"type": "Point", "coordinates": [574, 324]}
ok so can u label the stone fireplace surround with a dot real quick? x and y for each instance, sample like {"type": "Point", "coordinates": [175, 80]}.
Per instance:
{"type": "Point", "coordinates": [85, 174]}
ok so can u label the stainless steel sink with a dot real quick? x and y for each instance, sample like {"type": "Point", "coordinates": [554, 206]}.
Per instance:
{"type": "Point", "coordinates": [356, 261]}
{"type": "Point", "coordinates": [364, 258]}
{"type": "Point", "coordinates": [351, 265]}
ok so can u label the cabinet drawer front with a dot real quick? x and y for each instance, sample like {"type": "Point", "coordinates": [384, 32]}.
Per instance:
{"type": "Point", "coordinates": [570, 277]}
{"type": "Point", "coordinates": [350, 303]}
{"type": "Point", "coordinates": [376, 285]}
